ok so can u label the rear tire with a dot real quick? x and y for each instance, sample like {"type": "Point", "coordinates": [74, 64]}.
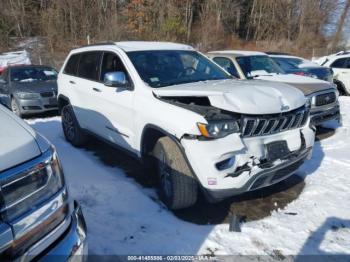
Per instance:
{"type": "Point", "coordinates": [71, 129]}
{"type": "Point", "coordinates": [15, 108]}
{"type": "Point", "coordinates": [178, 187]}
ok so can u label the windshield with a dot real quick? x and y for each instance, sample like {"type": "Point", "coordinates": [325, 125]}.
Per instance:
{"type": "Point", "coordinates": [253, 66]}
{"type": "Point", "coordinates": [288, 63]}
{"type": "Point", "coordinates": [164, 67]}
{"type": "Point", "coordinates": [29, 74]}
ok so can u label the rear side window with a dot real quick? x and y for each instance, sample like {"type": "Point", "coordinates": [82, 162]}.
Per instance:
{"type": "Point", "coordinates": [347, 65]}
{"type": "Point", "coordinates": [72, 65]}
{"type": "Point", "coordinates": [89, 65]}
{"type": "Point", "coordinates": [227, 64]}
{"type": "Point", "coordinates": [339, 63]}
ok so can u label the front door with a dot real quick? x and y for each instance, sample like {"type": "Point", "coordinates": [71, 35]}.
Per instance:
{"type": "Point", "coordinates": [115, 104]}
{"type": "Point", "coordinates": [84, 94]}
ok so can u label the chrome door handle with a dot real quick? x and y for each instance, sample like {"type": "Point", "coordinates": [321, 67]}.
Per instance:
{"type": "Point", "coordinates": [96, 89]}
{"type": "Point", "coordinates": [72, 82]}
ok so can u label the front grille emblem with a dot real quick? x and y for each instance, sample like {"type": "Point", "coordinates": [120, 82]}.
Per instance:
{"type": "Point", "coordinates": [284, 108]}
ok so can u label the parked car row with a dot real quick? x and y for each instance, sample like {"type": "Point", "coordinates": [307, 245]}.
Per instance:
{"type": "Point", "coordinates": [222, 124]}
{"type": "Point", "coordinates": [323, 95]}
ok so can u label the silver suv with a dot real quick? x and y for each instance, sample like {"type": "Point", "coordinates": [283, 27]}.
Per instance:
{"type": "Point", "coordinates": [38, 218]}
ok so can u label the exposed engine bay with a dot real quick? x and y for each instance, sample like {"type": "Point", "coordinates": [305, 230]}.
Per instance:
{"type": "Point", "coordinates": [202, 106]}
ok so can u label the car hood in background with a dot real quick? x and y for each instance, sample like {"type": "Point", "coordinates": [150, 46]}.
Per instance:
{"type": "Point", "coordinates": [17, 140]}
{"type": "Point", "coordinates": [35, 86]}
{"type": "Point", "coordinates": [240, 96]}
{"type": "Point", "coordinates": [307, 85]}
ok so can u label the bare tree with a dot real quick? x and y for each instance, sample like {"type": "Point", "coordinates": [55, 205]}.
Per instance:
{"type": "Point", "coordinates": [340, 26]}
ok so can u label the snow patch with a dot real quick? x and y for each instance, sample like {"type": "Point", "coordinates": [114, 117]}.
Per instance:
{"type": "Point", "coordinates": [123, 219]}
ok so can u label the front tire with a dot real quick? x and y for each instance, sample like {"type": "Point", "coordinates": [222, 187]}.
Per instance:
{"type": "Point", "coordinates": [178, 187]}
{"type": "Point", "coordinates": [15, 108]}
{"type": "Point", "coordinates": [71, 129]}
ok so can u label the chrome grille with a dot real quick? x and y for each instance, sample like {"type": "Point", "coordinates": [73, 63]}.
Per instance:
{"type": "Point", "coordinates": [260, 125]}
{"type": "Point", "coordinates": [325, 99]}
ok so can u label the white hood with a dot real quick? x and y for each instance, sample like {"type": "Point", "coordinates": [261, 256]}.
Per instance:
{"type": "Point", "coordinates": [241, 96]}
{"type": "Point", "coordinates": [17, 140]}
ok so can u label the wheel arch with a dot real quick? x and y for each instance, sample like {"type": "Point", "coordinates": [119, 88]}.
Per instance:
{"type": "Point", "coordinates": [62, 101]}
{"type": "Point", "coordinates": [150, 135]}
{"type": "Point", "coordinates": [341, 86]}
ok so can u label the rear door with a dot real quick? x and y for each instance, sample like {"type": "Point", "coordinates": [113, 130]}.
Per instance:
{"type": "Point", "coordinates": [82, 90]}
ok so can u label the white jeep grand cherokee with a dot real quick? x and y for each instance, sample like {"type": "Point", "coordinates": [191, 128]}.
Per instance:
{"type": "Point", "coordinates": [169, 103]}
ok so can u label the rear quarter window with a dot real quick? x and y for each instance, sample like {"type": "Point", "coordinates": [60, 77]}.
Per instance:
{"type": "Point", "coordinates": [339, 63]}
{"type": "Point", "coordinates": [72, 65]}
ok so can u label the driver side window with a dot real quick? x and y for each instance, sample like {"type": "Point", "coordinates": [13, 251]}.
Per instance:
{"type": "Point", "coordinates": [193, 64]}
{"type": "Point", "coordinates": [112, 63]}
{"type": "Point", "coordinates": [227, 64]}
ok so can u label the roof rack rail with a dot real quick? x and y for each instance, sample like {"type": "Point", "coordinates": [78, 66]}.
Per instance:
{"type": "Point", "coordinates": [98, 44]}
{"type": "Point", "coordinates": [277, 53]}
{"type": "Point", "coordinates": [345, 52]}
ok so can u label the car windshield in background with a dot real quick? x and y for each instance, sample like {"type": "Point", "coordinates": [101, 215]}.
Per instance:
{"type": "Point", "coordinates": [30, 74]}
{"type": "Point", "coordinates": [253, 66]}
{"type": "Point", "coordinates": [164, 68]}
{"type": "Point", "coordinates": [288, 63]}
{"type": "Point", "coordinates": [323, 73]}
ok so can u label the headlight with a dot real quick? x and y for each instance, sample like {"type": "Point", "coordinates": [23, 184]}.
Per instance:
{"type": "Point", "coordinates": [40, 180]}
{"type": "Point", "coordinates": [218, 128]}
{"type": "Point", "coordinates": [23, 95]}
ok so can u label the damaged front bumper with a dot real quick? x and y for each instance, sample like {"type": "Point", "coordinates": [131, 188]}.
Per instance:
{"type": "Point", "coordinates": [234, 165]}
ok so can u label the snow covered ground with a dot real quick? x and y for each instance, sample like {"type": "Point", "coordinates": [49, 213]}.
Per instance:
{"type": "Point", "coordinates": [123, 217]}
